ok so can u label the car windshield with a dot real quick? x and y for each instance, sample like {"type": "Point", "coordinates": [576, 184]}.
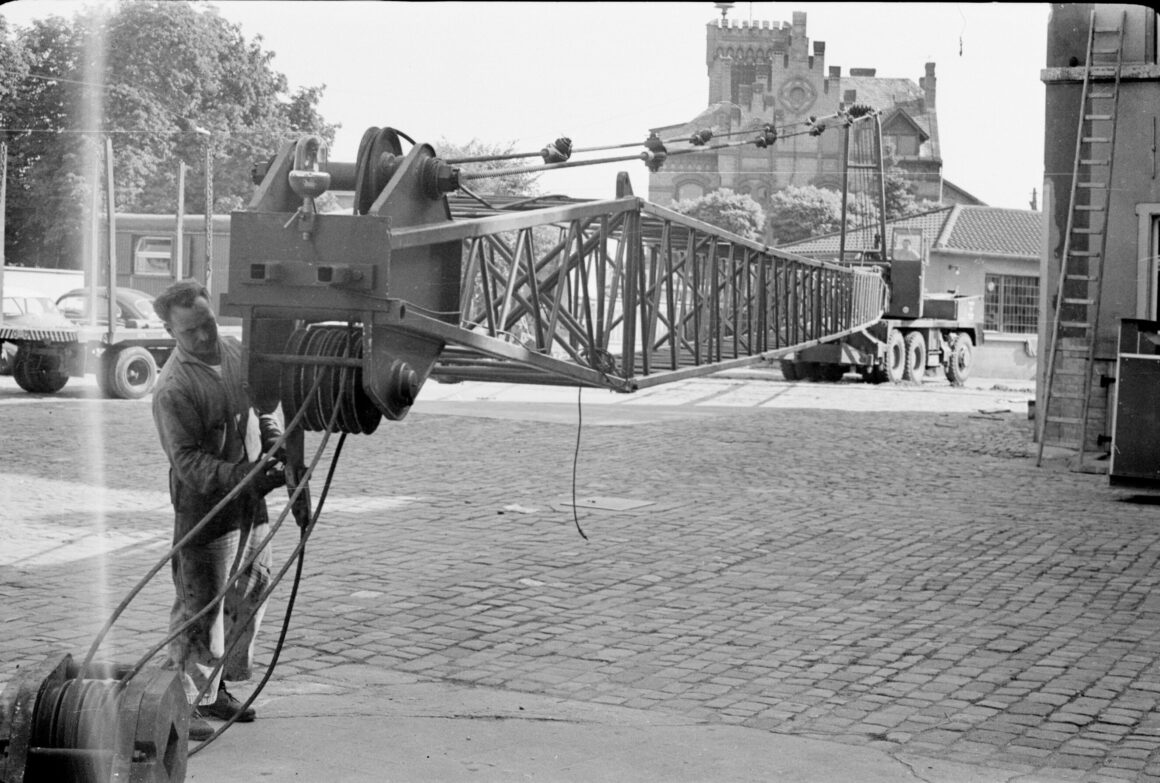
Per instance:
{"type": "Point", "coordinates": [144, 306]}
{"type": "Point", "coordinates": [78, 305]}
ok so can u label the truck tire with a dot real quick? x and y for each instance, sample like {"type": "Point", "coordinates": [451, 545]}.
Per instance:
{"type": "Point", "coordinates": [959, 364]}
{"type": "Point", "coordinates": [915, 367]}
{"type": "Point", "coordinates": [895, 356]}
{"type": "Point", "coordinates": [37, 373]}
{"type": "Point", "coordinates": [131, 373]}
{"type": "Point", "coordinates": [789, 370]}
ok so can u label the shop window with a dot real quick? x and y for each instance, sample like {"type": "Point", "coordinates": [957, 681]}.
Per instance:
{"type": "Point", "coordinates": [153, 256]}
{"type": "Point", "coordinates": [1011, 304]}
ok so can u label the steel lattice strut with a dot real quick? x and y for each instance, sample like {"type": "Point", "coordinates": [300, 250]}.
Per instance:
{"type": "Point", "coordinates": [564, 293]}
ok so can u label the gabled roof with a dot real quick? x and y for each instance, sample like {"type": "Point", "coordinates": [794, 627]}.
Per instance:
{"type": "Point", "coordinates": [991, 231]}
{"type": "Point", "coordinates": [956, 195]}
{"type": "Point", "coordinates": [898, 113]}
{"type": "Point", "coordinates": [995, 231]}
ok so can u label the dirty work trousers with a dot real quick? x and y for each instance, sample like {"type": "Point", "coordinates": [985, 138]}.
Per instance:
{"type": "Point", "coordinates": [201, 571]}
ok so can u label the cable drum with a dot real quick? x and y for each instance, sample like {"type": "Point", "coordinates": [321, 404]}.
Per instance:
{"type": "Point", "coordinates": [340, 388]}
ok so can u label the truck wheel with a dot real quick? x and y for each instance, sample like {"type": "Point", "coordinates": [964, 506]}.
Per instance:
{"type": "Point", "coordinates": [789, 370]}
{"type": "Point", "coordinates": [131, 373]}
{"type": "Point", "coordinates": [915, 367]}
{"type": "Point", "coordinates": [35, 373]}
{"type": "Point", "coordinates": [895, 356]}
{"type": "Point", "coordinates": [959, 364]}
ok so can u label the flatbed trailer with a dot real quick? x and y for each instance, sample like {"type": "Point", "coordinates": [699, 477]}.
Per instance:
{"type": "Point", "coordinates": [125, 360]}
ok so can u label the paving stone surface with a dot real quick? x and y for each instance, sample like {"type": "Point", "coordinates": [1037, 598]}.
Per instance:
{"type": "Point", "coordinates": [907, 580]}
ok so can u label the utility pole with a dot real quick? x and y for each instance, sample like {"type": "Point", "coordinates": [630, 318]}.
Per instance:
{"type": "Point", "coordinates": [179, 233]}
{"type": "Point", "coordinates": [111, 216]}
{"type": "Point", "coordinates": [208, 212]}
{"type": "Point", "coordinates": [3, 209]}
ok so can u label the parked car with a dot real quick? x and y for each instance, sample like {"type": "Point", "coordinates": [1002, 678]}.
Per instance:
{"type": "Point", "coordinates": [134, 308]}
{"type": "Point", "coordinates": [23, 307]}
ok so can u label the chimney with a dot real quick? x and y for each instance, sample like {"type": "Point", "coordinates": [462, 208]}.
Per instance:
{"type": "Point", "coordinates": [863, 71]}
{"type": "Point", "coordinates": [927, 83]}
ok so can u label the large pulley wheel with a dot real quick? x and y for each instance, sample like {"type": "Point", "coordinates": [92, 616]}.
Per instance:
{"type": "Point", "coordinates": [371, 175]}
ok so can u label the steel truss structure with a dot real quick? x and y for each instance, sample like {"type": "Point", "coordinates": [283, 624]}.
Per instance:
{"type": "Point", "coordinates": [626, 294]}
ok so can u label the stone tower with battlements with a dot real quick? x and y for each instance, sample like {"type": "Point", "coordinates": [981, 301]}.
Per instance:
{"type": "Point", "coordinates": [768, 72]}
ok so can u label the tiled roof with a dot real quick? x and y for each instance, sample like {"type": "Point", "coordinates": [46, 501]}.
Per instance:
{"type": "Point", "coordinates": [994, 231]}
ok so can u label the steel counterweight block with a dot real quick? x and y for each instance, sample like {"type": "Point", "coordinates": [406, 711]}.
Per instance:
{"type": "Point", "coordinates": [300, 281]}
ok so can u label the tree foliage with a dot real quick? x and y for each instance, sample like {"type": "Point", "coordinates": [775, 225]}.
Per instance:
{"type": "Point", "coordinates": [525, 184]}
{"type": "Point", "coordinates": [151, 76]}
{"type": "Point", "coordinates": [728, 210]}
{"type": "Point", "coordinates": [800, 212]}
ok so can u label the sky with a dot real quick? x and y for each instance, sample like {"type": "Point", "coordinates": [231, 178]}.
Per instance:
{"type": "Point", "coordinates": [605, 73]}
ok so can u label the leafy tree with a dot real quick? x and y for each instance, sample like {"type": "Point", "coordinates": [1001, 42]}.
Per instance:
{"type": "Point", "coordinates": [799, 212]}
{"type": "Point", "coordinates": [728, 210]}
{"type": "Point", "coordinates": [152, 76]}
{"type": "Point", "coordinates": [900, 194]}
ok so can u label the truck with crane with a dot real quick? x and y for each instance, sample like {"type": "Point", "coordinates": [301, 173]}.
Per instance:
{"type": "Point", "coordinates": [920, 333]}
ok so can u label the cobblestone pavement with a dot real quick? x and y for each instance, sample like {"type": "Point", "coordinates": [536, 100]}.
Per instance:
{"type": "Point", "coordinates": [903, 580]}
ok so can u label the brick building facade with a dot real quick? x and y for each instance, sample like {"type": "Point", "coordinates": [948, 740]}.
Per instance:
{"type": "Point", "coordinates": [763, 72]}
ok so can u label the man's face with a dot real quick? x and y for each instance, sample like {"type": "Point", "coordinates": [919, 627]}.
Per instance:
{"type": "Point", "coordinates": [195, 330]}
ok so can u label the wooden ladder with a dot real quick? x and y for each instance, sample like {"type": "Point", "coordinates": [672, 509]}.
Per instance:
{"type": "Point", "coordinates": [1067, 398]}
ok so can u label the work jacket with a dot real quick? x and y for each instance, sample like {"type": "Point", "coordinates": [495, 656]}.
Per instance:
{"type": "Point", "coordinates": [202, 419]}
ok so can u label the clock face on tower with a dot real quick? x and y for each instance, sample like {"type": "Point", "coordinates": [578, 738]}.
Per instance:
{"type": "Point", "coordinates": [797, 95]}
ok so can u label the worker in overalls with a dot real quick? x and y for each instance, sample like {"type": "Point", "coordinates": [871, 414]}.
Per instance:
{"type": "Point", "coordinates": [203, 416]}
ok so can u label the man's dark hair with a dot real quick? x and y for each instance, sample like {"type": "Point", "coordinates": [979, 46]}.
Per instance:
{"type": "Point", "coordinates": [180, 294]}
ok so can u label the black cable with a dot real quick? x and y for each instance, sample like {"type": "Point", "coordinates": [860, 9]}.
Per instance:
{"type": "Point", "coordinates": [576, 459]}
{"type": "Point", "coordinates": [205, 520]}
{"type": "Point", "coordinates": [298, 555]}
{"type": "Point", "coordinates": [304, 535]}
{"type": "Point", "coordinates": [237, 571]}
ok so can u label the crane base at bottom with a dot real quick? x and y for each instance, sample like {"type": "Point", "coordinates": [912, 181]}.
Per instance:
{"type": "Point", "coordinates": [104, 727]}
